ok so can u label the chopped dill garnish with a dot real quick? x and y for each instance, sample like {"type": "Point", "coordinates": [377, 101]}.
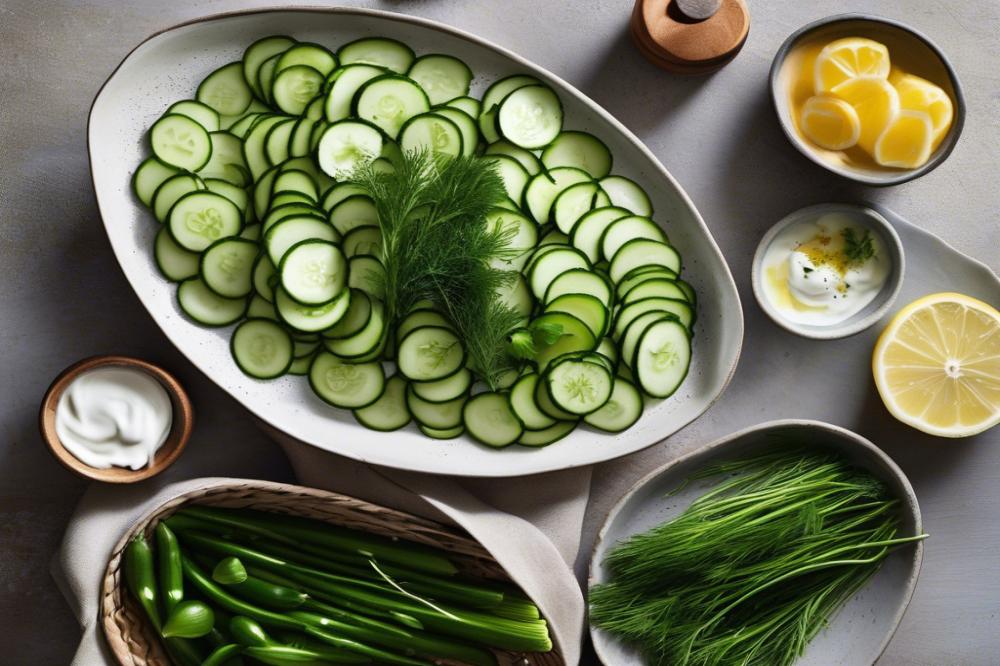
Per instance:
{"type": "Point", "coordinates": [857, 250]}
{"type": "Point", "coordinates": [437, 245]}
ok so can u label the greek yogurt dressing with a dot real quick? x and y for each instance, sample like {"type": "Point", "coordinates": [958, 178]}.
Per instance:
{"type": "Point", "coordinates": [114, 417]}
{"type": "Point", "coordinates": [811, 277]}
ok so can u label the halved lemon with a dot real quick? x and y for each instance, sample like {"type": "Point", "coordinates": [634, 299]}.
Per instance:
{"type": "Point", "coordinates": [937, 365]}
{"type": "Point", "coordinates": [849, 58]}
{"type": "Point", "coordinates": [906, 143]}
{"type": "Point", "coordinates": [830, 122]}
{"type": "Point", "coordinates": [876, 103]}
{"type": "Point", "coordinates": [917, 94]}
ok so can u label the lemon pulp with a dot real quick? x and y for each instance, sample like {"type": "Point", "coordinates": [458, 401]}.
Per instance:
{"type": "Point", "coordinates": [830, 122]}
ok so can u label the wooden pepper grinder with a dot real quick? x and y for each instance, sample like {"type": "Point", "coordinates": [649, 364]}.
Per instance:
{"type": "Point", "coordinates": [689, 36]}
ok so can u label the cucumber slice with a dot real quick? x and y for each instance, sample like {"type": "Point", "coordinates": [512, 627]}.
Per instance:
{"type": "Point", "coordinates": [286, 198]}
{"type": "Point", "coordinates": [633, 332]}
{"type": "Point", "coordinates": [261, 348]}
{"type": "Point", "coordinates": [446, 389]}
{"type": "Point", "coordinates": [466, 125]}
{"type": "Point", "coordinates": [544, 402]}
{"type": "Point", "coordinates": [276, 142]}
{"type": "Point", "coordinates": [576, 336]}
{"type": "Point", "coordinates": [643, 252]}
{"type": "Point", "coordinates": [523, 234]}
{"type": "Point", "coordinates": [662, 358]}
{"type": "Point", "coordinates": [530, 117]}
{"type": "Point", "coordinates": [544, 187]}
{"type": "Point", "coordinates": [338, 100]}
{"type": "Point", "coordinates": [442, 77]}
{"type": "Point", "coordinates": [525, 158]}
{"type": "Point", "coordinates": [180, 142]}
{"type": "Point", "coordinates": [257, 53]}
{"type": "Point", "coordinates": [264, 277]}
{"type": "Point", "coordinates": [607, 348]}
{"type": "Point", "coordinates": [202, 114]}
{"type": "Point", "coordinates": [677, 307]}
{"type": "Point", "coordinates": [300, 142]}
{"type": "Point", "coordinates": [419, 318]}
{"type": "Point", "coordinates": [642, 274]}
{"type": "Point", "coordinates": [438, 415]}
{"type": "Point", "coordinates": [148, 177]}
{"type": "Point", "coordinates": [574, 202]}
{"type": "Point", "coordinates": [515, 177]}
{"type": "Point", "coordinates": [429, 353]}
{"type": "Point", "coordinates": [175, 263]}
{"type": "Point", "coordinates": [548, 435]}
{"type": "Point", "coordinates": [226, 91]}
{"type": "Point", "coordinates": [338, 193]}
{"type": "Point", "coordinates": [431, 132]}
{"type": "Point", "coordinates": [627, 194]}
{"type": "Point", "coordinates": [366, 340]}
{"type": "Point", "coordinates": [621, 411]}
{"type": "Point", "coordinates": [579, 387]}
{"type": "Point", "coordinates": [346, 385]}
{"type": "Point", "coordinates": [296, 86]}
{"type": "Point", "coordinates": [255, 147]}
{"type": "Point", "coordinates": [308, 54]}
{"type": "Point", "coordinates": [438, 433]}
{"type": "Point", "coordinates": [310, 318]}
{"type": "Point", "coordinates": [387, 53]}
{"type": "Point", "coordinates": [366, 273]}
{"type": "Point", "coordinates": [366, 239]}
{"type": "Point", "coordinates": [503, 87]}
{"type": "Point", "coordinates": [389, 412]}
{"type": "Point", "coordinates": [346, 145]}
{"type": "Point", "coordinates": [489, 419]}
{"type": "Point", "coordinates": [488, 125]}
{"type": "Point", "coordinates": [579, 281]}
{"type": "Point", "coordinates": [226, 267]}
{"type": "Point", "coordinates": [585, 307]}
{"type": "Point", "coordinates": [300, 366]}
{"type": "Point", "coordinates": [656, 288]}
{"type": "Point", "coordinates": [265, 77]}
{"type": "Point", "coordinates": [286, 211]}
{"type": "Point", "coordinates": [354, 320]}
{"type": "Point", "coordinates": [550, 265]}
{"type": "Point", "coordinates": [629, 228]}
{"type": "Point", "coordinates": [198, 219]}
{"type": "Point", "coordinates": [237, 195]}
{"type": "Point", "coordinates": [469, 105]}
{"type": "Point", "coordinates": [580, 150]}
{"type": "Point", "coordinates": [261, 309]}
{"type": "Point", "coordinates": [291, 230]}
{"type": "Point", "coordinates": [524, 407]}
{"type": "Point", "coordinates": [295, 180]}
{"type": "Point", "coordinates": [206, 307]}
{"type": "Point", "coordinates": [516, 295]}
{"type": "Point", "coordinates": [388, 101]}
{"type": "Point", "coordinates": [313, 272]}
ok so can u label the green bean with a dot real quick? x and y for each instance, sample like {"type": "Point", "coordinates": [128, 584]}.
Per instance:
{"type": "Point", "coordinates": [222, 654]}
{"type": "Point", "coordinates": [284, 655]}
{"type": "Point", "coordinates": [269, 595]}
{"type": "Point", "coordinates": [248, 633]}
{"type": "Point", "coordinates": [293, 529]}
{"type": "Point", "coordinates": [189, 619]}
{"type": "Point", "coordinates": [140, 577]}
{"type": "Point", "coordinates": [304, 642]}
{"type": "Point", "coordinates": [168, 553]}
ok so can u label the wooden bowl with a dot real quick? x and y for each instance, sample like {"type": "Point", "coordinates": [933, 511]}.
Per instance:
{"type": "Point", "coordinates": [180, 427]}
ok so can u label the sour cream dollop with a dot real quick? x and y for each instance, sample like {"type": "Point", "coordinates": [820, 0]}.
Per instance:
{"type": "Point", "coordinates": [822, 272]}
{"type": "Point", "coordinates": [114, 417]}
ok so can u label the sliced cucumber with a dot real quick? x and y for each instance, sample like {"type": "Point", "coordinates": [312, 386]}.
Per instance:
{"type": "Point", "coordinates": [313, 272]}
{"type": "Point", "coordinates": [295, 180]}
{"type": "Point", "coordinates": [579, 281]}
{"type": "Point", "coordinates": [366, 239]}
{"type": "Point", "coordinates": [515, 177]}
{"type": "Point", "coordinates": [579, 387]}
{"type": "Point", "coordinates": [202, 114]}
{"type": "Point", "coordinates": [311, 55]}
{"type": "Point", "coordinates": [544, 187]}
{"type": "Point", "coordinates": [585, 307]}
{"type": "Point", "coordinates": [627, 194]}
{"type": "Point", "coordinates": [466, 125]}
{"type": "Point", "coordinates": [656, 288]}
{"type": "Point", "coordinates": [341, 94]}
{"type": "Point", "coordinates": [552, 264]}
{"type": "Point", "coordinates": [310, 318]}
{"type": "Point", "coordinates": [354, 320]}
{"type": "Point", "coordinates": [642, 274]}
{"type": "Point", "coordinates": [522, 403]}
{"type": "Point", "coordinates": [261, 348]}
{"type": "Point", "coordinates": [580, 150]}
{"type": "Point", "coordinates": [226, 91]}
{"type": "Point", "coordinates": [366, 340]}
{"type": "Point", "coordinates": [643, 252]}
{"type": "Point", "coordinates": [437, 415]}
{"type": "Point", "coordinates": [353, 212]}
{"type": "Point", "coordinates": [388, 101]}
{"type": "Point", "coordinates": [525, 158]}
{"type": "Point", "coordinates": [367, 273]}
{"type": "Point", "coordinates": [417, 319]}
{"type": "Point", "coordinates": [629, 228]}
{"type": "Point", "coordinates": [389, 412]}
{"type": "Point", "coordinates": [446, 389]}
{"type": "Point", "coordinates": [198, 219]}
{"type": "Point", "coordinates": [442, 77]}
{"type": "Point", "coordinates": [206, 307]}
{"type": "Point", "coordinates": [338, 193]}
{"type": "Point", "coordinates": [429, 353]}
{"type": "Point", "coordinates": [548, 435]}
{"type": "Point", "coordinates": [675, 306]}
{"type": "Point", "coordinates": [346, 145]}
{"type": "Point", "coordinates": [523, 235]}
{"type": "Point", "coordinates": [576, 336]}
{"type": "Point", "coordinates": [446, 433]}
{"type": "Point", "coordinates": [431, 132]}
{"type": "Point", "coordinates": [662, 358]}
{"type": "Point", "coordinates": [176, 263]}
{"type": "Point", "coordinates": [530, 117]}
{"type": "Point", "coordinates": [621, 411]}
{"type": "Point", "coordinates": [489, 419]}
{"type": "Point", "coordinates": [574, 202]}
{"type": "Point", "coordinates": [469, 105]}
{"type": "Point", "coordinates": [387, 53]}
{"type": "Point", "coordinates": [257, 53]}
{"type": "Point", "coordinates": [346, 385]}
{"type": "Point", "coordinates": [148, 177]}
{"type": "Point", "coordinates": [291, 230]}
{"type": "Point", "coordinates": [296, 86]}
{"type": "Point", "coordinates": [180, 142]}
{"type": "Point", "coordinates": [226, 267]}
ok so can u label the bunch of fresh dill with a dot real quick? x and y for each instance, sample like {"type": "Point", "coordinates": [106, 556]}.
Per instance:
{"type": "Point", "coordinates": [437, 244]}
{"type": "Point", "coordinates": [752, 570]}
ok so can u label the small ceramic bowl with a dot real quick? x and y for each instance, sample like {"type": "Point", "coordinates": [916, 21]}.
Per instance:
{"type": "Point", "coordinates": [180, 428]}
{"type": "Point", "coordinates": [860, 630]}
{"type": "Point", "coordinates": [922, 57]}
{"type": "Point", "coordinates": [860, 320]}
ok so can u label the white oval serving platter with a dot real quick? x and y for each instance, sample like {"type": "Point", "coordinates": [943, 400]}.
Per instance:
{"type": "Point", "coordinates": [167, 67]}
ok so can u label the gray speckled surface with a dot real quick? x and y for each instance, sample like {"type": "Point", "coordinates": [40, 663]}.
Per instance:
{"type": "Point", "coordinates": [63, 297]}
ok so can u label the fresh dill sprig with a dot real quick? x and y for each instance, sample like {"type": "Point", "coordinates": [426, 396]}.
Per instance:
{"type": "Point", "coordinates": [751, 571]}
{"type": "Point", "coordinates": [437, 244]}
{"type": "Point", "coordinates": [857, 250]}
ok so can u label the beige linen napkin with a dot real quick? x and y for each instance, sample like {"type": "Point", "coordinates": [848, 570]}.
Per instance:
{"type": "Point", "coordinates": [530, 524]}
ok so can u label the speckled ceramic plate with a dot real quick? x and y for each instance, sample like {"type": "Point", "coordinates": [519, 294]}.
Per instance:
{"type": "Point", "coordinates": [168, 66]}
{"type": "Point", "coordinates": [860, 630]}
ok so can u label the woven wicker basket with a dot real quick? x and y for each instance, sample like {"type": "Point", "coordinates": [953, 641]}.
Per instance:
{"type": "Point", "coordinates": [133, 641]}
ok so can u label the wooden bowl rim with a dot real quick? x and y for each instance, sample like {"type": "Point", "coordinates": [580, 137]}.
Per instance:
{"type": "Point", "coordinates": [181, 426]}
